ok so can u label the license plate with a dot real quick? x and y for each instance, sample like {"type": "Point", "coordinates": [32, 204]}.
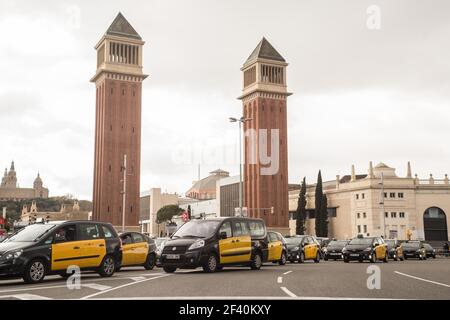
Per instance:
{"type": "Point", "coordinates": [173, 256]}
{"type": "Point", "coordinates": [354, 255]}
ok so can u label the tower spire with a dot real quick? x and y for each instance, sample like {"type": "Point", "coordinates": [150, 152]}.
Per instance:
{"type": "Point", "coordinates": [353, 173]}
{"type": "Point", "coordinates": [409, 173]}
{"type": "Point", "coordinates": [12, 166]}
{"type": "Point", "coordinates": [371, 175]}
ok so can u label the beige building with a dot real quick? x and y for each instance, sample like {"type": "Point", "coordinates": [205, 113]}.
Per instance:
{"type": "Point", "coordinates": [205, 189]}
{"type": "Point", "coordinates": [381, 203]}
{"type": "Point", "coordinates": [9, 189]}
{"type": "Point", "coordinates": [30, 213]}
{"type": "Point", "coordinates": [151, 202]}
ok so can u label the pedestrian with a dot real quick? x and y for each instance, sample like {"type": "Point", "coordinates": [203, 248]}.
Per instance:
{"type": "Point", "coordinates": [446, 249]}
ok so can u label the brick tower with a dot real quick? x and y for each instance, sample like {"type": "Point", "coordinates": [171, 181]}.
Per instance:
{"type": "Point", "coordinates": [266, 156]}
{"type": "Point", "coordinates": [118, 82]}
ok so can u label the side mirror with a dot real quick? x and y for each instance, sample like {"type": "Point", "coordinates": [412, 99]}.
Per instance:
{"type": "Point", "coordinates": [223, 235]}
{"type": "Point", "coordinates": [375, 245]}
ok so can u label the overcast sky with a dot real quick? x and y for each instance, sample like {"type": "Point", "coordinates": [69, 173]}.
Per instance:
{"type": "Point", "coordinates": [360, 95]}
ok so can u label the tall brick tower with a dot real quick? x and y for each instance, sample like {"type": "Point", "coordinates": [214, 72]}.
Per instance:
{"type": "Point", "coordinates": [266, 156]}
{"type": "Point", "coordinates": [118, 82]}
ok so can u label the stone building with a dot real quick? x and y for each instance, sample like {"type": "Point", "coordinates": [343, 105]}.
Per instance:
{"type": "Point", "coordinates": [31, 213]}
{"type": "Point", "coordinates": [381, 203]}
{"type": "Point", "coordinates": [9, 189]}
{"type": "Point", "coordinates": [205, 189]}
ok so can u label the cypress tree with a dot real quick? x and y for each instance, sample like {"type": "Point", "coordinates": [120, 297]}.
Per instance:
{"type": "Point", "coordinates": [324, 217]}
{"type": "Point", "coordinates": [301, 210]}
{"type": "Point", "coordinates": [318, 204]}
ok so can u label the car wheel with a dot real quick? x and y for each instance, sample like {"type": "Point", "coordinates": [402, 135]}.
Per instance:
{"type": "Point", "coordinates": [150, 262]}
{"type": "Point", "coordinates": [395, 257]}
{"type": "Point", "coordinates": [317, 258]}
{"type": "Point", "coordinates": [256, 262]}
{"type": "Point", "coordinates": [168, 269]}
{"type": "Point", "coordinates": [405, 258]}
{"type": "Point", "coordinates": [118, 269]}
{"type": "Point", "coordinates": [434, 256]}
{"type": "Point", "coordinates": [219, 268]}
{"type": "Point", "coordinates": [107, 267]}
{"type": "Point", "coordinates": [386, 258]}
{"type": "Point", "coordinates": [302, 258]}
{"type": "Point", "coordinates": [374, 257]}
{"type": "Point", "coordinates": [283, 259]}
{"type": "Point", "coordinates": [346, 260]}
{"type": "Point", "coordinates": [210, 265]}
{"type": "Point", "coordinates": [34, 271]}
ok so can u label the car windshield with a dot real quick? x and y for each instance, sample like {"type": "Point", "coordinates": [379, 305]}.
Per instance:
{"type": "Point", "coordinates": [411, 245]}
{"type": "Point", "coordinates": [197, 229]}
{"type": "Point", "coordinates": [160, 241]}
{"type": "Point", "coordinates": [31, 233]}
{"type": "Point", "coordinates": [296, 240]}
{"type": "Point", "coordinates": [361, 241]}
{"type": "Point", "coordinates": [337, 244]}
{"type": "Point", "coordinates": [390, 243]}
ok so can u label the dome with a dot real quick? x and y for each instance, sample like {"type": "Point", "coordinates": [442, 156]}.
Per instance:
{"type": "Point", "coordinates": [385, 170]}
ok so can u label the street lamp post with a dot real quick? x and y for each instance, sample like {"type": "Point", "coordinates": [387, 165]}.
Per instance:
{"type": "Point", "coordinates": [240, 121]}
{"type": "Point", "coordinates": [382, 205]}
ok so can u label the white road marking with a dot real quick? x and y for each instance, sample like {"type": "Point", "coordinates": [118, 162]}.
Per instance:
{"type": "Point", "coordinates": [286, 273]}
{"type": "Point", "coordinates": [280, 280]}
{"type": "Point", "coordinates": [289, 293]}
{"type": "Point", "coordinates": [138, 278]}
{"type": "Point", "coordinates": [26, 296]}
{"type": "Point", "coordinates": [421, 279]}
{"type": "Point", "coordinates": [122, 286]}
{"type": "Point", "coordinates": [96, 286]}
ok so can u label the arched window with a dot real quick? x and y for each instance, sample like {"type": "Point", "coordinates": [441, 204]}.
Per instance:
{"type": "Point", "coordinates": [435, 224]}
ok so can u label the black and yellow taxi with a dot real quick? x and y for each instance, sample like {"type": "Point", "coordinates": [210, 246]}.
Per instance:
{"type": "Point", "coordinates": [414, 249]}
{"type": "Point", "coordinates": [215, 243]}
{"type": "Point", "coordinates": [395, 249]}
{"type": "Point", "coordinates": [333, 250]}
{"type": "Point", "coordinates": [302, 248]}
{"type": "Point", "coordinates": [369, 248]}
{"type": "Point", "coordinates": [51, 248]}
{"type": "Point", "coordinates": [276, 248]}
{"type": "Point", "coordinates": [137, 250]}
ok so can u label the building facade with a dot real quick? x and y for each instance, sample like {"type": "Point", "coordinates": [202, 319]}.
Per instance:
{"type": "Point", "coordinates": [118, 82]}
{"type": "Point", "coordinates": [9, 189]}
{"type": "Point", "coordinates": [381, 203]}
{"type": "Point", "coordinates": [68, 212]}
{"type": "Point", "coordinates": [264, 101]}
{"type": "Point", "coordinates": [151, 202]}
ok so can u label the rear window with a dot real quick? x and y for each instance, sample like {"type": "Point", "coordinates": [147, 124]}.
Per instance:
{"type": "Point", "coordinates": [257, 228]}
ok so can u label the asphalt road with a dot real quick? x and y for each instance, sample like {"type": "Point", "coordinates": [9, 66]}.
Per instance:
{"type": "Point", "coordinates": [410, 279]}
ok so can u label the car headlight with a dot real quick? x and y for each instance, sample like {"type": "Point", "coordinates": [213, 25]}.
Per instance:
{"type": "Point", "coordinates": [197, 244]}
{"type": "Point", "coordinates": [344, 250]}
{"type": "Point", "coordinates": [325, 250]}
{"type": "Point", "coordinates": [296, 249]}
{"type": "Point", "coordinates": [13, 255]}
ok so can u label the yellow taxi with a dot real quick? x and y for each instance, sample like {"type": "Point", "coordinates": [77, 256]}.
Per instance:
{"type": "Point", "coordinates": [58, 247]}
{"type": "Point", "coordinates": [276, 248]}
{"type": "Point", "coordinates": [370, 248]}
{"type": "Point", "coordinates": [137, 250]}
{"type": "Point", "coordinates": [302, 248]}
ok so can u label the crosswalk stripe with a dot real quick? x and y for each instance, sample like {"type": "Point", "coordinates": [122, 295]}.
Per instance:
{"type": "Point", "coordinates": [96, 286]}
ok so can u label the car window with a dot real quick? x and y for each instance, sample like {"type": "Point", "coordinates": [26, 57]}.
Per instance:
{"type": "Point", "coordinates": [226, 227]}
{"type": "Point", "coordinates": [240, 229]}
{"type": "Point", "coordinates": [126, 239]}
{"type": "Point", "coordinates": [256, 228]}
{"type": "Point", "coordinates": [137, 238]}
{"type": "Point", "coordinates": [273, 237]}
{"type": "Point", "coordinates": [88, 231]}
{"type": "Point", "coordinates": [107, 232]}
{"type": "Point", "coordinates": [66, 233]}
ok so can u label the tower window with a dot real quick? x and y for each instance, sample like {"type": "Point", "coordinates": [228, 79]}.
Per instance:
{"type": "Point", "coordinates": [272, 74]}
{"type": "Point", "coordinates": [250, 76]}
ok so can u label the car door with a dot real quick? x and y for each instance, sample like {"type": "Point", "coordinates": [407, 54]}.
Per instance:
{"type": "Point", "coordinates": [307, 247]}
{"type": "Point", "coordinates": [140, 248]}
{"type": "Point", "coordinates": [379, 249]}
{"type": "Point", "coordinates": [271, 246]}
{"type": "Point", "coordinates": [65, 248]}
{"type": "Point", "coordinates": [128, 256]}
{"type": "Point", "coordinates": [243, 241]}
{"type": "Point", "coordinates": [92, 246]}
{"type": "Point", "coordinates": [277, 246]}
{"type": "Point", "coordinates": [226, 246]}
